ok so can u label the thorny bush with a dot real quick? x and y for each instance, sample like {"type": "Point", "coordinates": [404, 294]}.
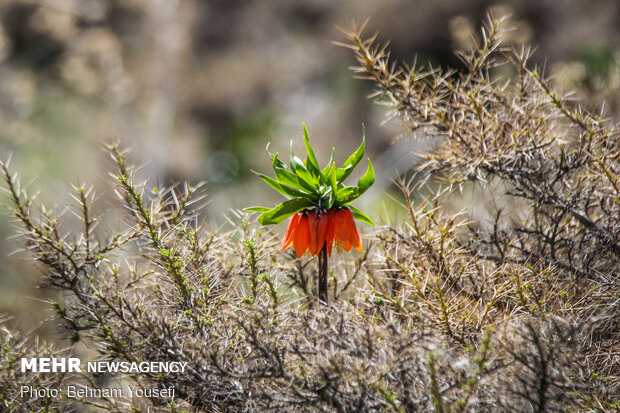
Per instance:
{"type": "Point", "coordinates": [513, 310]}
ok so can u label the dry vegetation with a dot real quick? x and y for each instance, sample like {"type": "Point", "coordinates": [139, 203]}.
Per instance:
{"type": "Point", "coordinates": [517, 311]}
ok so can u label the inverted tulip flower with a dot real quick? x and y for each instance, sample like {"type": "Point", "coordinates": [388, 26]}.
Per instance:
{"type": "Point", "coordinates": [313, 229]}
{"type": "Point", "coordinates": [319, 205]}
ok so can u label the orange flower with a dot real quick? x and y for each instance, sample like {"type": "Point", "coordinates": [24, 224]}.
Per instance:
{"type": "Point", "coordinates": [313, 229]}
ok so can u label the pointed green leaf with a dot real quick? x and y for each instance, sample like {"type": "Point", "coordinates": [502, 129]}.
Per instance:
{"type": "Point", "coordinates": [283, 211]}
{"type": "Point", "coordinates": [311, 163]}
{"type": "Point", "coordinates": [294, 160]}
{"type": "Point", "coordinates": [276, 162]}
{"type": "Point", "coordinates": [283, 174]}
{"type": "Point", "coordinates": [302, 172]}
{"type": "Point", "coordinates": [257, 209]}
{"type": "Point", "coordinates": [331, 199]}
{"type": "Point", "coordinates": [325, 170]}
{"type": "Point", "coordinates": [332, 178]}
{"type": "Point", "coordinates": [333, 192]}
{"type": "Point", "coordinates": [286, 177]}
{"type": "Point", "coordinates": [283, 189]}
{"type": "Point", "coordinates": [368, 179]}
{"type": "Point", "coordinates": [304, 176]}
{"type": "Point", "coordinates": [346, 195]}
{"type": "Point", "coordinates": [359, 215]}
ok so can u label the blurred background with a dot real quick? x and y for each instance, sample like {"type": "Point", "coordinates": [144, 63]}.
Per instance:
{"type": "Point", "coordinates": [198, 88]}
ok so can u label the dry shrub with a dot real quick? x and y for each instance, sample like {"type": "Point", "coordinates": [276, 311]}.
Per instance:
{"type": "Point", "coordinates": [13, 346]}
{"type": "Point", "coordinates": [440, 313]}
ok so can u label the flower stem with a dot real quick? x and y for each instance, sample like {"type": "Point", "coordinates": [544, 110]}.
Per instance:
{"type": "Point", "coordinates": [323, 275]}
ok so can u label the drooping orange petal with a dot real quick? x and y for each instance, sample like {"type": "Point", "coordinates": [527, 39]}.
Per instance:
{"type": "Point", "coordinates": [341, 231]}
{"type": "Point", "coordinates": [329, 231]}
{"type": "Point", "coordinates": [313, 224]}
{"type": "Point", "coordinates": [318, 228]}
{"type": "Point", "coordinates": [287, 241]}
{"type": "Point", "coordinates": [357, 241]}
{"type": "Point", "coordinates": [354, 238]}
{"type": "Point", "coordinates": [301, 236]}
{"type": "Point", "coordinates": [346, 245]}
{"type": "Point", "coordinates": [346, 233]}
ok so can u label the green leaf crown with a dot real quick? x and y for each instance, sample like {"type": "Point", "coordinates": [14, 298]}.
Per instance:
{"type": "Point", "coordinates": [309, 186]}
